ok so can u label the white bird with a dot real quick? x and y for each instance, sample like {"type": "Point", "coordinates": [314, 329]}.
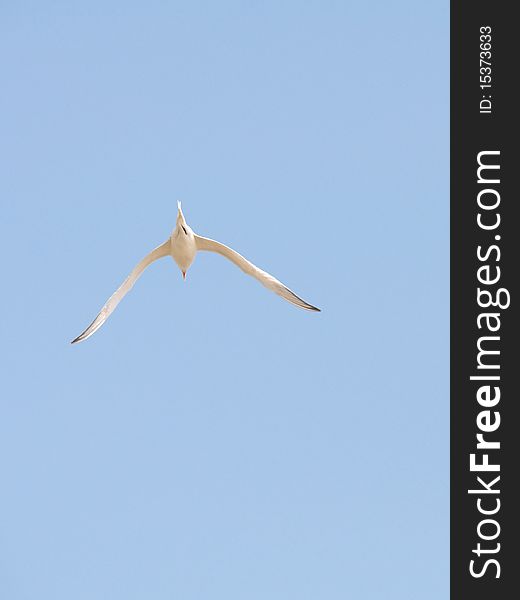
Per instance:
{"type": "Point", "coordinates": [182, 246]}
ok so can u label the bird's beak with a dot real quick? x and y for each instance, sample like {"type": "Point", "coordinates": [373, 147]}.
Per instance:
{"type": "Point", "coordinates": [184, 275]}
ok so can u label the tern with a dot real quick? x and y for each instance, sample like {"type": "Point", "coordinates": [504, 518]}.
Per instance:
{"type": "Point", "coordinates": [182, 246]}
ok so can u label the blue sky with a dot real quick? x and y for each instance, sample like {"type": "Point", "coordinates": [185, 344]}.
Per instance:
{"type": "Point", "coordinates": [212, 440]}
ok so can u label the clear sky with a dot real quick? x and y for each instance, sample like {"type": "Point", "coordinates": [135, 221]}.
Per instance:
{"type": "Point", "coordinates": [212, 441]}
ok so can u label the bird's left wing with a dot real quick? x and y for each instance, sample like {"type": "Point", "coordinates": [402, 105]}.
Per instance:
{"type": "Point", "coordinates": [122, 290]}
{"type": "Point", "coordinates": [263, 277]}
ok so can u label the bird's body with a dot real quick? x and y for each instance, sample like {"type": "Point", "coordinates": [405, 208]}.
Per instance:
{"type": "Point", "coordinates": [182, 246]}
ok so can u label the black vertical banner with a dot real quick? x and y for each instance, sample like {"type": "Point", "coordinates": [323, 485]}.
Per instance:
{"type": "Point", "coordinates": [485, 251]}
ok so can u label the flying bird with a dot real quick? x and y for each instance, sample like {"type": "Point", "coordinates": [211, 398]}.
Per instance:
{"type": "Point", "coordinates": [182, 246]}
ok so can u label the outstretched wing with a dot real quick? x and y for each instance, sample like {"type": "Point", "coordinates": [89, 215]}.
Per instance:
{"type": "Point", "coordinates": [122, 290]}
{"type": "Point", "coordinates": [270, 282]}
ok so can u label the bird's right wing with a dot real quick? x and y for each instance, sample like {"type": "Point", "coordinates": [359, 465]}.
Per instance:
{"type": "Point", "coordinates": [270, 282]}
{"type": "Point", "coordinates": [122, 290]}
